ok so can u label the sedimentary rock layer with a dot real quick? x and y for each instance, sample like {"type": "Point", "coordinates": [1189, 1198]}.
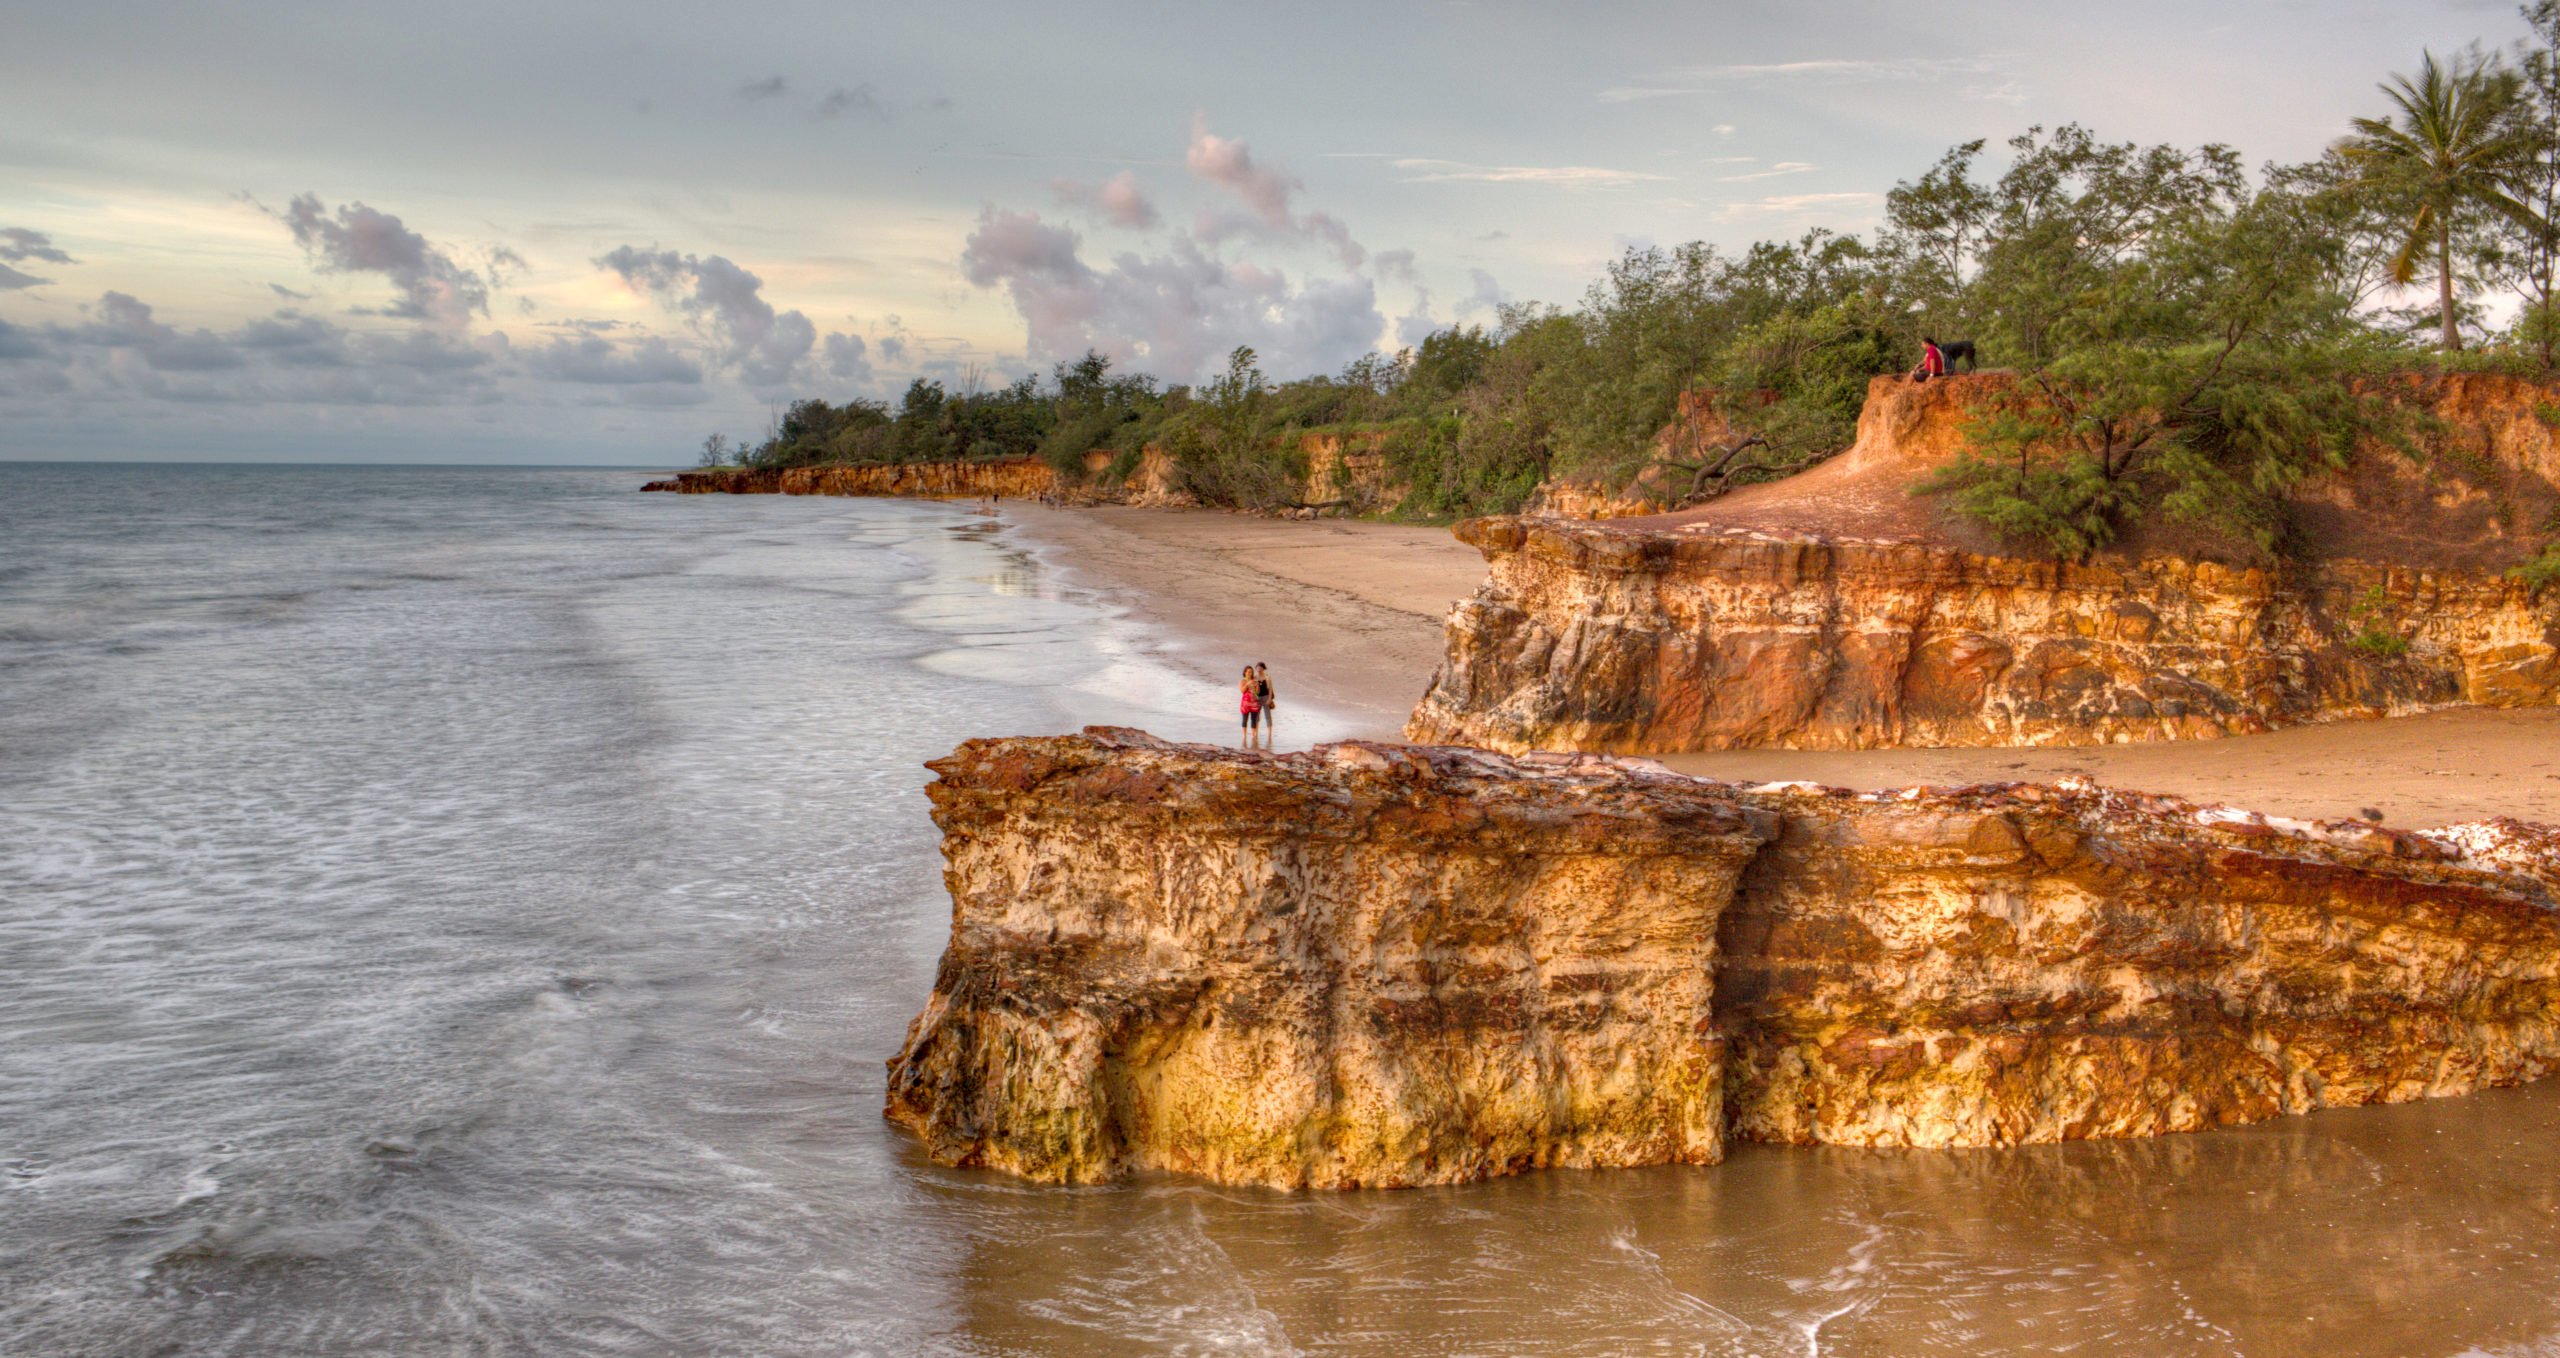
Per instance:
{"type": "Point", "coordinates": [1023, 478]}
{"type": "Point", "coordinates": [1649, 640]}
{"type": "Point", "coordinates": [1389, 965]}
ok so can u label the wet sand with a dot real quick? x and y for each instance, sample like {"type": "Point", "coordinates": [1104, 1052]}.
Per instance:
{"type": "Point", "coordinates": [1349, 616]}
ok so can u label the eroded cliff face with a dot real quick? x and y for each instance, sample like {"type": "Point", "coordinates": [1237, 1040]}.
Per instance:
{"type": "Point", "coordinates": [1362, 966]}
{"type": "Point", "coordinates": [1388, 965]}
{"type": "Point", "coordinates": [1593, 637]}
{"type": "Point", "coordinates": [1342, 470]}
{"type": "Point", "coordinates": [1022, 478]}
{"type": "Point", "coordinates": [1836, 609]}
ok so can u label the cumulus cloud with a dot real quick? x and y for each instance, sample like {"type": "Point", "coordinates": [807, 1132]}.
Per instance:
{"type": "Point", "coordinates": [595, 360]}
{"type": "Point", "coordinates": [12, 281]}
{"type": "Point", "coordinates": [846, 358]}
{"type": "Point", "coordinates": [1487, 295]}
{"type": "Point", "coordinates": [763, 345]}
{"type": "Point", "coordinates": [1265, 191]}
{"type": "Point", "coordinates": [122, 349]}
{"type": "Point", "coordinates": [1175, 313]}
{"type": "Point", "coordinates": [18, 244]}
{"type": "Point", "coordinates": [355, 238]}
{"type": "Point", "coordinates": [1118, 199]}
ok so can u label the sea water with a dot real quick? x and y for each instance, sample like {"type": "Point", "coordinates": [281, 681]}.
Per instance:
{"type": "Point", "coordinates": [454, 911]}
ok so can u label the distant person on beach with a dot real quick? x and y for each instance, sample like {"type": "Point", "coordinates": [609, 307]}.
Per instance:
{"type": "Point", "coordinates": [1249, 702]}
{"type": "Point", "coordinates": [1270, 706]}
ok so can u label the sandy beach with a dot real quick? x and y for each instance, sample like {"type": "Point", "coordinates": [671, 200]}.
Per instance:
{"type": "Point", "coordinates": [1349, 615]}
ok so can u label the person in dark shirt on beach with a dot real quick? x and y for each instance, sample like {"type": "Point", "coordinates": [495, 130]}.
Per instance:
{"type": "Point", "coordinates": [1270, 706]}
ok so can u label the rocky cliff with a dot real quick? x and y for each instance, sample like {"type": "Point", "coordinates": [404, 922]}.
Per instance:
{"type": "Point", "coordinates": [1590, 637]}
{"type": "Point", "coordinates": [1836, 609]}
{"type": "Point", "coordinates": [1021, 477]}
{"type": "Point", "coordinates": [1341, 469]}
{"type": "Point", "coordinates": [1386, 965]}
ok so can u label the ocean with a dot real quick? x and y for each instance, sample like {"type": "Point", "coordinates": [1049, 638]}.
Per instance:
{"type": "Point", "coordinates": [467, 911]}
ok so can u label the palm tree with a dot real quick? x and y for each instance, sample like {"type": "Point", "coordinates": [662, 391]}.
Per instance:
{"type": "Point", "coordinates": [2452, 148]}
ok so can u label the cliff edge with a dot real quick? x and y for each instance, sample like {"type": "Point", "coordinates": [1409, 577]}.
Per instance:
{"type": "Point", "coordinates": [1383, 965]}
{"type": "Point", "coordinates": [1836, 609]}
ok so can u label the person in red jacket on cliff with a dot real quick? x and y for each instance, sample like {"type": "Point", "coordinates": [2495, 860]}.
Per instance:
{"type": "Point", "coordinates": [1933, 361]}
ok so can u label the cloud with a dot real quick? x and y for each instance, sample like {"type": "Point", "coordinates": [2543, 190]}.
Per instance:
{"type": "Point", "coordinates": [771, 87]}
{"type": "Point", "coordinates": [1782, 168]}
{"type": "Point", "coordinates": [1823, 70]}
{"type": "Point", "coordinates": [358, 239]}
{"type": "Point", "coordinates": [288, 294]}
{"type": "Point", "coordinates": [1422, 171]}
{"type": "Point", "coordinates": [12, 281]}
{"type": "Point", "coordinates": [120, 321]}
{"type": "Point", "coordinates": [763, 345]}
{"type": "Point", "coordinates": [1265, 191]}
{"type": "Point", "coordinates": [1119, 199]}
{"type": "Point", "coordinates": [1487, 295]}
{"type": "Point", "coordinates": [18, 245]}
{"type": "Point", "coordinates": [18, 342]}
{"type": "Point", "coordinates": [1230, 166]}
{"type": "Point", "coordinates": [594, 360]}
{"type": "Point", "coordinates": [859, 101]}
{"type": "Point", "coordinates": [123, 350]}
{"type": "Point", "coordinates": [1398, 265]}
{"type": "Point", "coordinates": [1175, 313]}
{"type": "Point", "coordinates": [846, 358]}
{"type": "Point", "coordinates": [1792, 204]}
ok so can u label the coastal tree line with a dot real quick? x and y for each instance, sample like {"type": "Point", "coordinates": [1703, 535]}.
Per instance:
{"type": "Point", "coordinates": [2199, 338]}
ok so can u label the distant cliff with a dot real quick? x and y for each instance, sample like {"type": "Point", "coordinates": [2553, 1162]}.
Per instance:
{"type": "Point", "coordinates": [1383, 965]}
{"type": "Point", "coordinates": [1023, 478]}
{"type": "Point", "coordinates": [1341, 469]}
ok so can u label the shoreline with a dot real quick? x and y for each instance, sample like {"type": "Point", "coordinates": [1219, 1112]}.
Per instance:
{"type": "Point", "coordinates": [1349, 614]}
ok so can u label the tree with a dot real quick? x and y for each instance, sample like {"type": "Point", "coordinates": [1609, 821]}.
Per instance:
{"type": "Point", "coordinates": [715, 451]}
{"type": "Point", "coordinates": [2538, 233]}
{"type": "Point", "coordinates": [2454, 153]}
{"type": "Point", "coordinates": [2217, 370]}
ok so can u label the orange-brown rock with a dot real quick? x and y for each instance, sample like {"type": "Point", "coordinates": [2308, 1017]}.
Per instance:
{"type": "Point", "coordinates": [1839, 609]}
{"type": "Point", "coordinates": [1386, 965]}
{"type": "Point", "coordinates": [1020, 477]}
{"type": "Point", "coordinates": [1597, 637]}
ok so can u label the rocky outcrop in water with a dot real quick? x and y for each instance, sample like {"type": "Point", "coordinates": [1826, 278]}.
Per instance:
{"type": "Point", "coordinates": [1387, 965]}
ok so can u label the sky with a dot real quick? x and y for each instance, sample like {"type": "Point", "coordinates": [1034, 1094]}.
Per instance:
{"type": "Point", "coordinates": [586, 233]}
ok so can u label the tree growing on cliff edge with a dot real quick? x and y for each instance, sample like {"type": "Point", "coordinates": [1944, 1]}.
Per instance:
{"type": "Point", "coordinates": [2216, 370]}
{"type": "Point", "coordinates": [2454, 155]}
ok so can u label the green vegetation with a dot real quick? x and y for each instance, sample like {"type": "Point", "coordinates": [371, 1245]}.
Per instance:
{"type": "Point", "coordinates": [2191, 339]}
{"type": "Point", "coordinates": [2377, 629]}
